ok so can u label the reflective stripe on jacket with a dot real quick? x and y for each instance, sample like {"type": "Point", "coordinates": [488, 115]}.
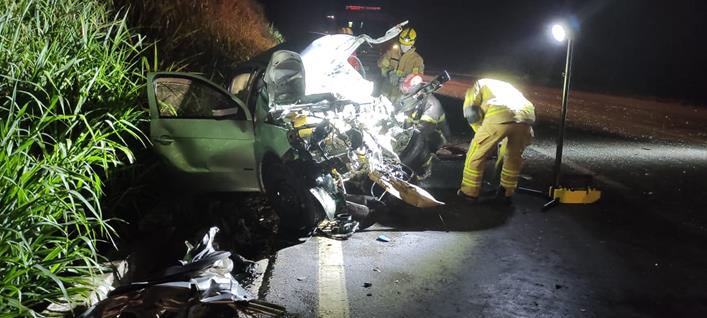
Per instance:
{"type": "Point", "coordinates": [433, 113]}
{"type": "Point", "coordinates": [499, 102]}
{"type": "Point", "coordinates": [402, 64]}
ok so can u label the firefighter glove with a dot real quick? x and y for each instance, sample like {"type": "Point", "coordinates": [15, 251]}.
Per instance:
{"type": "Point", "coordinates": [394, 78]}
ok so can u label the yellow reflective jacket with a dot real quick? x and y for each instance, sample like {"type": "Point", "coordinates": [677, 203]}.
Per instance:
{"type": "Point", "coordinates": [402, 63]}
{"type": "Point", "coordinates": [499, 102]}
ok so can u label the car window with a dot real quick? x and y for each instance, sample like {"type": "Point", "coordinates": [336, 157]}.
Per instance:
{"type": "Point", "coordinates": [188, 98]}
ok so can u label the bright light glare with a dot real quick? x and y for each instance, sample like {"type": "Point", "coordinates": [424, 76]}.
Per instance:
{"type": "Point", "coordinates": [558, 32]}
{"type": "Point", "coordinates": [327, 69]}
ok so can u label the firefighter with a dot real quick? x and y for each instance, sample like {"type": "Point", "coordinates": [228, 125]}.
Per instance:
{"type": "Point", "coordinates": [425, 113]}
{"type": "Point", "coordinates": [432, 120]}
{"type": "Point", "coordinates": [496, 111]}
{"type": "Point", "coordinates": [398, 62]}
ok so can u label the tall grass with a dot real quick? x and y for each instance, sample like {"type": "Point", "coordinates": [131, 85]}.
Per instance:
{"type": "Point", "coordinates": [69, 76]}
{"type": "Point", "coordinates": [207, 36]}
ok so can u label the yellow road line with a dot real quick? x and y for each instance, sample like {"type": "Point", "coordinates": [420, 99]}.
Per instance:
{"type": "Point", "coordinates": [333, 301]}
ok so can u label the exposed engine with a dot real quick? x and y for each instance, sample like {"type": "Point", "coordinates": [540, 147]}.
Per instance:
{"type": "Point", "coordinates": [352, 137]}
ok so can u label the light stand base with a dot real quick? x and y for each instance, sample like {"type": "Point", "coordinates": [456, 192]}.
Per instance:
{"type": "Point", "coordinates": [564, 195]}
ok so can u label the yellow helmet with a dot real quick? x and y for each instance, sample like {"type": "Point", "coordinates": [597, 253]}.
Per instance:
{"type": "Point", "coordinates": [408, 36]}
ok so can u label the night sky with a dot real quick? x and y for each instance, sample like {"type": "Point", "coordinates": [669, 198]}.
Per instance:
{"type": "Point", "coordinates": [635, 47]}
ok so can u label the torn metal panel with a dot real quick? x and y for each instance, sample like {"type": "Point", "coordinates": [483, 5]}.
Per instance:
{"type": "Point", "coordinates": [403, 190]}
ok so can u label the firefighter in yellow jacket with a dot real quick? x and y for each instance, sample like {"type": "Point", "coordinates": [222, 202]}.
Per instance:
{"type": "Point", "coordinates": [496, 110]}
{"type": "Point", "coordinates": [398, 62]}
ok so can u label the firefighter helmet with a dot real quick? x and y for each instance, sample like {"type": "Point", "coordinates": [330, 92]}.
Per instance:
{"type": "Point", "coordinates": [408, 36]}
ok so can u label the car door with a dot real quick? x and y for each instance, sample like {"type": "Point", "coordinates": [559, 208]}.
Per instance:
{"type": "Point", "coordinates": [202, 131]}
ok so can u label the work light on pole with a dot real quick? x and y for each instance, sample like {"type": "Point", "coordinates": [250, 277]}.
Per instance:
{"type": "Point", "coordinates": [558, 32]}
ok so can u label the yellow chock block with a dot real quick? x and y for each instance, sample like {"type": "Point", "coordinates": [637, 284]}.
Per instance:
{"type": "Point", "coordinates": [576, 196]}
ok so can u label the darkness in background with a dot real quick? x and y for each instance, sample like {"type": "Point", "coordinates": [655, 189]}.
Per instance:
{"type": "Point", "coordinates": [635, 47]}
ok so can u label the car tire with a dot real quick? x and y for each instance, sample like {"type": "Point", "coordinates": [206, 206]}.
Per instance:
{"type": "Point", "coordinates": [416, 154]}
{"type": "Point", "coordinates": [298, 210]}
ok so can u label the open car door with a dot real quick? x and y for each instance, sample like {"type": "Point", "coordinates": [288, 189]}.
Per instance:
{"type": "Point", "coordinates": [202, 131]}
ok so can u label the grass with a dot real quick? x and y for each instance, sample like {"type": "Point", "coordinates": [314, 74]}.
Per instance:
{"type": "Point", "coordinates": [71, 82]}
{"type": "Point", "coordinates": [70, 75]}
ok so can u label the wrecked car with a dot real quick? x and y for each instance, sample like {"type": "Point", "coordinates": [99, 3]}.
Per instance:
{"type": "Point", "coordinates": [305, 129]}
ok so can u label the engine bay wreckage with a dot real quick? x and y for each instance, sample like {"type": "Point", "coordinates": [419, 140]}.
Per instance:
{"type": "Point", "coordinates": [351, 139]}
{"type": "Point", "coordinates": [304, 128]}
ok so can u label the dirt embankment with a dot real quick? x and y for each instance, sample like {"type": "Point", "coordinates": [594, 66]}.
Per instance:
{"type": "Point", "coordinates": [626, 116]}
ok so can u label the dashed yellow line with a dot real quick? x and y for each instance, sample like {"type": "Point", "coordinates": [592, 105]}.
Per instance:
{"type": "Point", "coordinates": [333, 301]}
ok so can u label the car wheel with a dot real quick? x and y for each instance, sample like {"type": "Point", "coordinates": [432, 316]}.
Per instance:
{"type": "Point", "coordinates": [416, 153]}
{"type": "Point", "coordinates": [298, 210]}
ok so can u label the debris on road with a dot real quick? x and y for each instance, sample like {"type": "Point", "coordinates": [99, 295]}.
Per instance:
{"type": "Point", "coordinates": [301, 278]}
{"type": "Point", "coordinates": [340, 228]}
{"type": "Point", "coordinates": [201, 285]}
{"type": "Point", "coordinates": [383, 238]}
{"type": "Point", "coordinates": [367, 285]}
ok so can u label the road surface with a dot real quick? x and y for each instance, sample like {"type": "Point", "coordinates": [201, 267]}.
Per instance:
{"type": "Point", "coordinates": [639, 252]}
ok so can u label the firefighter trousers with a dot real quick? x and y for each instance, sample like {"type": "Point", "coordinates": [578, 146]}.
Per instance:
{"type": "Point", "coordinates": [485, 140]}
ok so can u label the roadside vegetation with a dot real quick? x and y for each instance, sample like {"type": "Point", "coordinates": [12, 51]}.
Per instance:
{"type": "Point", "coordinates": [71, 77]}
{"type": "Point", "coordinates": [204, 36]}
{"type": "Point", "coordinates": [71, 71]}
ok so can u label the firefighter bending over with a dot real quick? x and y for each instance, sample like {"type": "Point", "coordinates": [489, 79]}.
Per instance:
{"type": "Point", "coordinates": [496, 110]}
{"type": "Point", "coordinates": [398, 62]}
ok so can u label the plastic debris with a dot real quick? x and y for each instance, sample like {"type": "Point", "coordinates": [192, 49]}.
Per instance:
{"type": "Point", "coordinates": [383, 238]}
{"type": "Point", "coordinates": [201, 285]}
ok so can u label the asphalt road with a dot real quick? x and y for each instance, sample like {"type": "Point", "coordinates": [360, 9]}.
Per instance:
{"type": "Point", "coordinates": [639, 252]}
